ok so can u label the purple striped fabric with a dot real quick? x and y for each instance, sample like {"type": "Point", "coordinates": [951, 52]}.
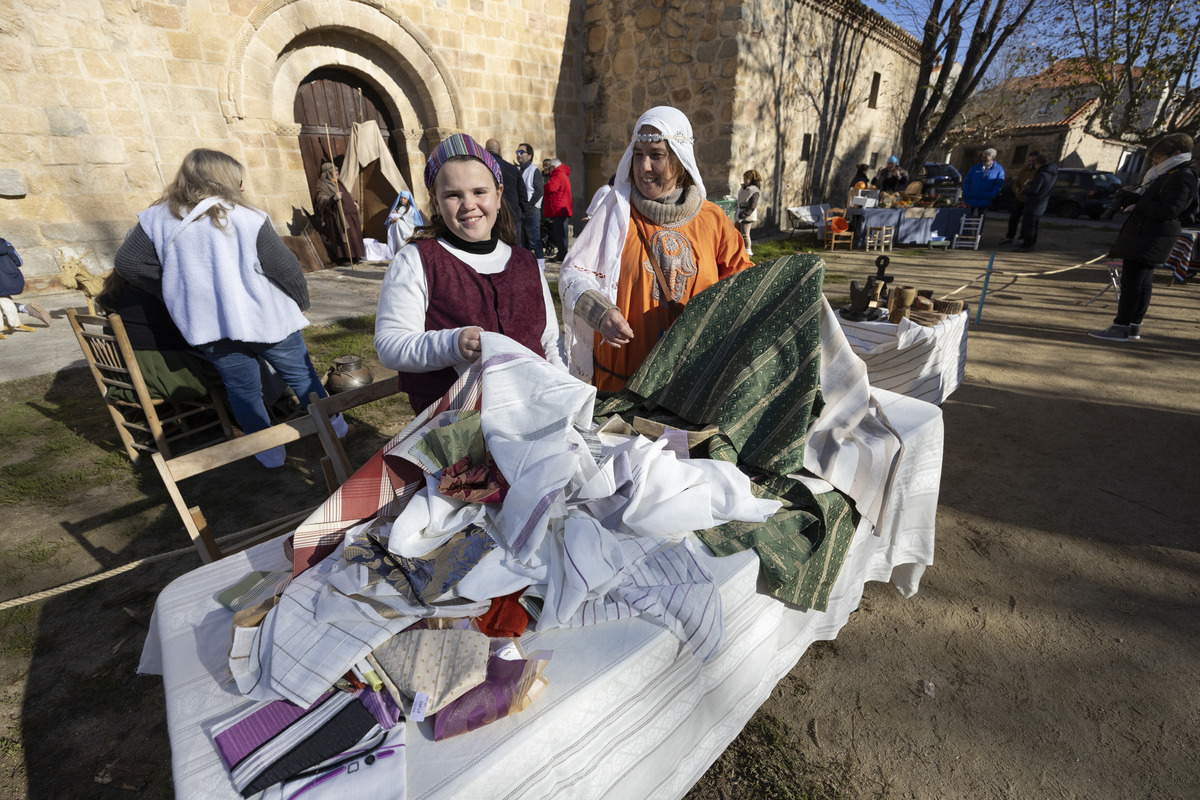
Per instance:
{"type": "Point", "coordinates": [246, 734]}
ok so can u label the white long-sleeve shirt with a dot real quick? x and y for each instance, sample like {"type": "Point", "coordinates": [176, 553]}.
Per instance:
{"type": "Point", "coordinates": [401, 340]}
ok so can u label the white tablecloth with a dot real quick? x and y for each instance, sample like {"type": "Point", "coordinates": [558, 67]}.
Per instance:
{"type": "Point", "coordinates": [927, 363]}
{"type": "Point", "coordinates": [628, 713]}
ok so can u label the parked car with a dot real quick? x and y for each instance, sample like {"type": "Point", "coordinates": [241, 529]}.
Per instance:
{"type": "Point", "coordinates": [937, 176]}
{"type": "Point", "coordinates": [1085, 191]}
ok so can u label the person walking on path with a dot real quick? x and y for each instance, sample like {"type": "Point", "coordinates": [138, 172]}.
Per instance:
{"type": "Point", "coordinates": [1169, 190]}
{"type": "Point", "coordinates": [514, 187]}
{"type": "Point", "coordinates": [12, 283]}
{"type": "Point", "coordinates": [558, 204]}
{"type": "Point", "coordinates": [983, 183]}
{"type": "Point", "coordinates": [1037, 197]}
{"type": "Point", "coordinates": [1019, 184]}
{"type": "Point", "coordinates": [531, 232]}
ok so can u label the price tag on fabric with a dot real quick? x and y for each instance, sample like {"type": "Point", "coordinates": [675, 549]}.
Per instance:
{"type": "Point", "coordinates": [509, 653]}
{"type": "Point", "coordinates": [677, 443]}
{"type": "Point", "coordinates": [419, 707]}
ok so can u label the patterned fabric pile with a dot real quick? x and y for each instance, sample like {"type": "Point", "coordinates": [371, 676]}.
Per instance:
{"type": "Point", "coordinates": [518, 501]}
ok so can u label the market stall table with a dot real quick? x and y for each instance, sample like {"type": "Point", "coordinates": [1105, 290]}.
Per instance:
{"type": "Point", "coordinates": [913, 225]}
{"type": "Point", "coordinates": [927, 363]}
{"type": "Point", "coordinates": [628, 712]}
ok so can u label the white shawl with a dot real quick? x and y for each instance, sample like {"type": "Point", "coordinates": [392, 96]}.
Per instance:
{"type": "Point", "coordinates": [594, 261]}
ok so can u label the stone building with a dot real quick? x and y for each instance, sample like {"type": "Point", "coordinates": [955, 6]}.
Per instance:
{"type": "Point", "coordinates": [799, 90]}
{"type": "Point", "coordinates": [101, 99]}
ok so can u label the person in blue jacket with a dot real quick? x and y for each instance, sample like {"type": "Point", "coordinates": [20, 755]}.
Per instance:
{"type": "Point", "coordinates": [983, 183]}
{"type": "Point", "coordinates": [12, 282]}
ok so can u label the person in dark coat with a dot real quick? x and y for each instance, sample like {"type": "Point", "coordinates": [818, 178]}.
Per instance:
{"type": "Point", "coordinates": [514, 187]}
{"type": "Point", "coordinates": [1169, 189]}
{"type": "Point", "coordinates": [1037, 197]}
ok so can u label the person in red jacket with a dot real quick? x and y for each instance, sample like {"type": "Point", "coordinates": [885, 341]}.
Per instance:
{"type": "Point", "coordinates": [557, 205]}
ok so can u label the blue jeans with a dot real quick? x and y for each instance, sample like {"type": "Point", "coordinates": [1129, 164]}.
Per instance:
{"type": "Point", "coordinates": [237, 364]}
{"type": "Point", "coordinates": [533, 232]}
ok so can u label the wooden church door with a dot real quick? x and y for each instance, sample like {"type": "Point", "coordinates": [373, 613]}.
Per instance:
{"type": "Point", "coordinates": [327, 105]}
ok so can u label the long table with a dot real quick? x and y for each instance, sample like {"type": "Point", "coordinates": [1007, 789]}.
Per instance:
{"type": "Point", "coordinates": [927, 363]}
{"type": "Point", "coordinates": [628, 713]}
{"type": "Point", "coordinates": [910, 228]}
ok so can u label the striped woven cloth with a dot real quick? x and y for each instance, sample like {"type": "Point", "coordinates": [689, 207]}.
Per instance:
{"type": "Point", "coordinates": [745, 356]}
{"type": "Point", "coordinates": [1182, 254]}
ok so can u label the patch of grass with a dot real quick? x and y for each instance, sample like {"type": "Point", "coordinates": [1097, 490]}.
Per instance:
{"type": "Point", "coordinates": [11, 748]}
{"type": "Point", "coordinates": [17, 626]}
{"type": "Point", "coordinates": [36, 481]}
{"type": "Point", "coordinates": [355, 336]}
{"type": "Point", "coordinates": [39, 552]}
{"type": "Point", "coordinates": [771, 249]}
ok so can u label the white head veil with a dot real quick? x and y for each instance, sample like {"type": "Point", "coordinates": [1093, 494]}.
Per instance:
{"type": "Point", "coordinates": [594, 261]}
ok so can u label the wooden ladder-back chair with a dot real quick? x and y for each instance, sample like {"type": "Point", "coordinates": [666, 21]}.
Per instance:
{"type": "Point", "coordinates": [114, 365]}
{"type": "Point", "coordinates": [969, 233]}
{"type": "Point", "coordinates": [180, 468]}
{"type": "Point", "coordinates": [336, 463]}
{"type": "Point", "coordinates": [175, 470]}
{"type": "Point", "coordinates": [837, 230]}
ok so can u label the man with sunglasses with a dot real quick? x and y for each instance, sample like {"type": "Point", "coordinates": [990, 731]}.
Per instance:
{"type": "Point", "coordinates": [534, 183]}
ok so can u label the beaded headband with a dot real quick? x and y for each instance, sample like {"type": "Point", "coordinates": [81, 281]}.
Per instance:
{"type": "Point", "coordinates": [459, 145]}
{"type": "Point", "coordinates": [662, 137]}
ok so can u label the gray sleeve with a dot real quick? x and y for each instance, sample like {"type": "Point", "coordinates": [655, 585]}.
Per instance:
{"type": "Point", "coordinates": [590, 308]}
{"type": "Point", "coordinates": [281, 266]}
{"type": "Point", "coordinates": [137, 261]}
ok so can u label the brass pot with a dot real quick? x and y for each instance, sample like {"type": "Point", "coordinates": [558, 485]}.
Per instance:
{"type": "Point", "coordinates": [347, 373]}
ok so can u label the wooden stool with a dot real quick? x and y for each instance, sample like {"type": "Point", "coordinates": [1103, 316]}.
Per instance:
{"type": "Point", "coordinates": [880, 238]}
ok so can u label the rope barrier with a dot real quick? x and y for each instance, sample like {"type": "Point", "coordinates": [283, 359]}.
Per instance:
{"type": "Point", "coordinates": [112, 573]}
{"type": "Point", "coordinates": [1015, 275]}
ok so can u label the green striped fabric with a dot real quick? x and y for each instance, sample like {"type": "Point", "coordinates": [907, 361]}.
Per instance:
{"type": "Point", "coordinates": [745, 356]}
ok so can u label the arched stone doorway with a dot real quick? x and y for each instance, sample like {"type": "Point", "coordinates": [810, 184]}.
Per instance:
{"type": "Point", "coordinates": [328, 103]}
{"type": "Point", "coordinates": [281, 46]}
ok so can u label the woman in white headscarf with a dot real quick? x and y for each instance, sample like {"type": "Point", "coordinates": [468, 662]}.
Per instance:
{"type": "Point", "coordinates": [654, 243]}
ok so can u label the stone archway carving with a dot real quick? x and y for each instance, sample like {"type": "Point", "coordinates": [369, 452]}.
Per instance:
{"type": "Point", "coordinates": [389, 49]}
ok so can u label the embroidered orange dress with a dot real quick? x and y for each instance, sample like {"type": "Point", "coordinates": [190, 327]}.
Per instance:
{"type": "Point", "coordinates": [693, 256]}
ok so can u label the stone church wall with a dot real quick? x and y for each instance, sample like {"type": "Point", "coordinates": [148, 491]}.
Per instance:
{"type": "Point", "coordinates": [755, 77]}
{"type": "Point", "coordinates": [101, 99]}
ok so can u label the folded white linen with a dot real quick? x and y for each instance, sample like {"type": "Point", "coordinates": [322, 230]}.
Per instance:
{"type": "Point", "coordinates": [850, 444]}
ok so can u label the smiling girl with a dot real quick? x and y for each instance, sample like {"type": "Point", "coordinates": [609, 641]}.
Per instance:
{"type": "Point", "coordinates": [654, 244]}
{"type": "Point", "coordinates": [460, 275]}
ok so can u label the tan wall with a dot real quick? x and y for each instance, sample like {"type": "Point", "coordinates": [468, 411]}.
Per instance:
{"type": "Point", "coordinates": [753, 78]}
{"type": "Point", "coordinates": [807, 68]}
{"type": "Point", "coordinates": [684, 54]}
{"type": "Point", "coordinates": [100, 99]}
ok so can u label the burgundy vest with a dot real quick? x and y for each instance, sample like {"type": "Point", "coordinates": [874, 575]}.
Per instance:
{"type": "Point", "coordinates": [508, 302]}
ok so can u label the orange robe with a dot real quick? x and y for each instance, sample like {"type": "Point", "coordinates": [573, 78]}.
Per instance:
{"type": "Point", "coordinates": [716, 251]}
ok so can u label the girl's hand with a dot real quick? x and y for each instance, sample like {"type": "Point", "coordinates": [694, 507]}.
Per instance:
{"type": "Point", "coordinates": [615, 329]}
{"type": "Point", "coordinates": [470, 343]}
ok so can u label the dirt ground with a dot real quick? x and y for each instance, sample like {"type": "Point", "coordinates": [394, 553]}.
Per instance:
{"type": "Point", "coordinates": [1052, 651]}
